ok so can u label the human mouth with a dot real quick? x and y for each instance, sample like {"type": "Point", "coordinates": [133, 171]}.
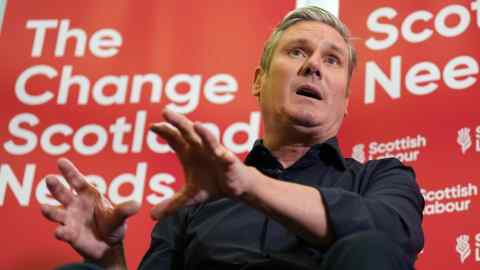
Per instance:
{"type": "Point", "coordinates": [309, 91]}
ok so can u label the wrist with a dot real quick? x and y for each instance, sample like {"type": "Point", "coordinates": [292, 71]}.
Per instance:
{"type": "Point", "coordinates": [113, 259]}
{"type": "Point", "coordinates": [256, 182]}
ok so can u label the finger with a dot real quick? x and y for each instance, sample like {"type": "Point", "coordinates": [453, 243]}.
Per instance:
{"type": "Point", "coordinates": [207, 138]}
{"type": "Point", "coordinates": [64, 233]}
{"type": "Point", "coordinates": [184, 125]}
{"type": "Point", "coordinates": [72, 175]}
{"type": "Point", "coordinates": [55, 214]}
{"type": "Point", "coordinates": [169, 206]}
{"type": "Point", "coordinates": [124, 211]}
{"type": "Point", "coordinates": [59, 191]}
{"type": "Point", "coordinates": [200, 197]}
{"type": "Point", "coordinates": [213, 145]}
{"type": "Point", "coordinates": [114, 216]}
{"type": "Point", "coordinates": [170, 134]}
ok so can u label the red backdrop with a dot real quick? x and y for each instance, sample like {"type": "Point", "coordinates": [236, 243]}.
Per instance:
{"type": "Point", "coordinates": [83, 80]}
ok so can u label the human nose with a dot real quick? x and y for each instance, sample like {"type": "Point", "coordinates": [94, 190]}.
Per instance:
{"type": "Point", "coordinates": [310, 68]}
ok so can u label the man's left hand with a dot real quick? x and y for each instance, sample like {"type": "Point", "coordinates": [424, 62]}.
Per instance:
{"type": "Point", "coordinates": [211, 170]}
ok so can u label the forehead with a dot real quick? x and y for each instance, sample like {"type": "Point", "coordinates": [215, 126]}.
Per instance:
{"type": "Point", "coordinates": [314, 32]}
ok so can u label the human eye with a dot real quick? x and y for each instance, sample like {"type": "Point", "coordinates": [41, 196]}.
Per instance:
{"type": "Point", "coordinates": [296, 52]}
{"type": "Point", "coordinates": [332, 59]}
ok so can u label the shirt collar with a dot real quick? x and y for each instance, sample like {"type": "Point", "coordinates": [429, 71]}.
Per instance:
{"type": "Point", "coordinates": [326, 151]}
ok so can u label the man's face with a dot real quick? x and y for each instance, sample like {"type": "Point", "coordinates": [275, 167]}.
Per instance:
{"type": "Point", "coordinates": [306, 84]}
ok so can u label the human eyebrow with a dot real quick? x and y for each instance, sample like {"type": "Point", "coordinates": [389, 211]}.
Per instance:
{"type": "Point", "coordinates": [297, 42]}
{"type": "Point", "coordinates": [335, 48]}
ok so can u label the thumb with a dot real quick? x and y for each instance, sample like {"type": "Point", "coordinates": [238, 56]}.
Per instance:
{"type": "Point", "coordinates": [167, 207]}
{"type": "Point", "coordinates": [127, 209]}
{"type": "Point", "coordinates": [109, 218]}
{"type": "Point", "coordinates": [123, 211]}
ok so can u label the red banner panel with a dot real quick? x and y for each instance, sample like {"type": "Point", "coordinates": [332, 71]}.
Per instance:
{"type": "Point", "coordinates": [414, 97]}
{"type": "Point", "coordinates": [85, 79]}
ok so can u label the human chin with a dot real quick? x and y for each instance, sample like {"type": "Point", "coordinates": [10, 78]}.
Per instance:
{"type": "Point", "coordinates": [304, 117]}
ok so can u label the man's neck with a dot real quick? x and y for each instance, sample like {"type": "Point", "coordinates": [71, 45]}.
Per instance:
{"type": "Point", "coordinates": [288, 143]}
{"type": "Point", "coordinates": [288, 152]}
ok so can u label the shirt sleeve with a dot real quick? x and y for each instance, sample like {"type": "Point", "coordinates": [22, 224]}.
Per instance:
{"type": "Point", "coordinates": [388, 199]}
{"type": "Point", "coordinates": [167, 244]}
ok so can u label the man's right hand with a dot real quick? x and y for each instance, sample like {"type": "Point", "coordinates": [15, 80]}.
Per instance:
{"type": "Point", "coordinates": [88, 221]}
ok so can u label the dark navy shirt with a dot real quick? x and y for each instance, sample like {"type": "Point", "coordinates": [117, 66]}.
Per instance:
{"type": "Point", "coordinates": [380, 195]}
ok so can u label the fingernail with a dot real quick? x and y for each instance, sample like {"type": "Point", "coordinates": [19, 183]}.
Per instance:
{"type": "Point", "coordinates": [50, 180]}
{"type": "Point", "coordinates": [157, 126]}
{"type": "Point", "coordinates": [154, 128]}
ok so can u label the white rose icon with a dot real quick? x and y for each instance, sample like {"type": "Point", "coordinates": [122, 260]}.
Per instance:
{"type": "Point", "coordinates": [358, 153]}
{"type": "Point", "coordinates": [464, 139]}
{"type": "Point", "coordinates": [463, 247]}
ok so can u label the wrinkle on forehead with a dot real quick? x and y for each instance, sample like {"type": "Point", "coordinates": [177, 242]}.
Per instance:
{"type": "Point", "coordinates": [314, 32]}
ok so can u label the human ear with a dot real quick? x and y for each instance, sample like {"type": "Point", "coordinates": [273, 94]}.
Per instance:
{"type": "Point", "coordinates": [257, 82]}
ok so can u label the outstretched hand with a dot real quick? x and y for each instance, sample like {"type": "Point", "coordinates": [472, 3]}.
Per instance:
{"type": "Point", "coordinates": [88, 221]}
{"type": "Point", "coordinates": [94, 227]}
{"type": "Point", "coordinates": [211, 171]}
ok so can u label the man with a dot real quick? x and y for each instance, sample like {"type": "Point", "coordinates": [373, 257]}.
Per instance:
{"type": "Point", "coordinates": [296, 203]}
